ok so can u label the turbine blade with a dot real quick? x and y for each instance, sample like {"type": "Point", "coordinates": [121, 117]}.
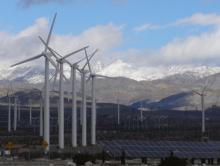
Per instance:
{"type": "Point", "coordinates": [74, 52]}
{"type": "Point", "coordinates": [84, 58]}
{"type": "Point", "coordinates": [90, 58]}
{"type": "Point", "coordinates": [88, 79]}
{"type": "Point", "coordinates": [64, 60]}
{"type": "Point", "coordinates": [56, 53]}
{"type": "Point", "coordinates": [65, 78]}
{"type": "Point", "coordinates": [88, 62]}
{"type": "Point", "coordinates": [103, 76]}
{"type": "Point", "coordinates": [194, 91]}
{"type": "Point", "coordinates": [54, 64]}
{"type": "Point", "coordinates": [80, 60]}
{"type": "Point", "coordinates": [53, 52]}
{"type": "Point", "coordinates": [93, 54]}
{"type": "Point", "coordinates": [78, 70]}
{"type": "Point", "coordinates": [52, 76]}
{"type": "Point", "coordinates": [50, 60]}
{"type": "Point", "coordinates": [55, 77]}
{"type": "Point", "coordinates": [50, 32]}
{"type": "Point", "coordinates": [27, 60]}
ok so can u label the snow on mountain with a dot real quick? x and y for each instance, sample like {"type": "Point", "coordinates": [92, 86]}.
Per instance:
{"type": "Point", "coordinates": [35, 74]}
{"type": "Point", "coordinates": [122, 69]}
{"type": "Point", "coordinates": [30, 74]}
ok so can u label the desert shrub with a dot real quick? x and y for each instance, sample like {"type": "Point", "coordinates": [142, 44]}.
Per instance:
{"type": "Point", "coordinates": [173, 161]}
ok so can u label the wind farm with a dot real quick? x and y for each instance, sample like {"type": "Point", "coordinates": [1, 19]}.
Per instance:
{"type": "Point", "coordinates": [109, 83]}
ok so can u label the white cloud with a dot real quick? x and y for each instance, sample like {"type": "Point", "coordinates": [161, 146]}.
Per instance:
{"type": "Point", "coordinates": [203, 48]}
{"type": "Point", "coordinates": [29, 3]}
{"type": "Point", "coordinates": [24, 44]}
{"type": "Point", "coordinates": [146, 27]}
{"type": "Point", "coordinates": [195, 49]}
{"type": "Point", "coordinates": [104, 37]}
{"type": "Point", "coordinates": [196, 19]}
{"type": "Point", "coordinates": [200, 19]}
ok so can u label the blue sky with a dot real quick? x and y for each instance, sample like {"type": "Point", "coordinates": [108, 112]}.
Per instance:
{"type": "Point", "coordinates": [148, 28]}
{"type": "Point", "coordinates": [75, 16]}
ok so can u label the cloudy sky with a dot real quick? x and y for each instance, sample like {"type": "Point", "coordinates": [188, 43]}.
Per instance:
{"type": "Point", "coordinates": [141, 33]}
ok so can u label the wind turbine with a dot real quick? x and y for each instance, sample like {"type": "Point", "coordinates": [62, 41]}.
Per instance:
{"type": "Point", "coordinates": [202, 95]}
{"type": "Point", "coordinates": [46, 84]}
{"type": "Point", "coordinates": [74, 67]}
{"type": "Point", "coordinates": [93, 112]}
{"type": "Point", "coordinates": [83, 108]}
{"type": "Point", "coordinates": [61, 60]}
{"type": "Point", "coordinates": [83, 87]}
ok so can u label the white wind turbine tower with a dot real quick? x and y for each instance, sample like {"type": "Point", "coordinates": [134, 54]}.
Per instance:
{"type": "Point", "coordinates": [9, 105]}
{"type": "Point", "coordinates": [74, 67]}
{"type": "Point", "coordinates": [61, 60]}
{"type": "Point", "coordinates": [46, 95]}
{"type": "Point", "coordinates": [205, 87]}
{"type": "Point", "coordinates": [30, 111]}
{"type": "Point", "coordinates": [118, 103]}
{"type": "Point", "coordinates": [15, 113]}
{"type": "Point", "coordinates": [84, 109]}
{"type": "Point", "coordinates": [118, 111]}
{"type": "Point", "coordinates": [9, 113]}
{"type": "Point", "coordinates": [41, 116]}
{"type": "Point", "coordinates": [118, 106]}
{"type": "Point", "coordinates": [202, 95]}
{"type": "Point", "coordinates": [93, 76]}
{"type": "Point", "coordinates": [19, 111]}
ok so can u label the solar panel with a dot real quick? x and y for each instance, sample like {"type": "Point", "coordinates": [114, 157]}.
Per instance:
{"type": "Point", "coordinates": [161, 149]}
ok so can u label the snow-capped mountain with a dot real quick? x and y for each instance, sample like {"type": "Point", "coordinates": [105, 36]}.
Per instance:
{"type": "Point", "coordinates": [142, 83]}
{"type": "Point", "coordinates": [35, 74]}
{"type": "Point", "coordinates": [28, 74]}
{"type": "Point", "coordinates": [139, 73]}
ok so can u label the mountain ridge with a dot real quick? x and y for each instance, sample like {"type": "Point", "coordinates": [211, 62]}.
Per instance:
{"type": "Point", "coordinates": [126, 90]}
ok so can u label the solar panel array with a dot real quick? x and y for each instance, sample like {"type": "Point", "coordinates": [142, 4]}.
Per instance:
{"type": "Point", "coordinates": [162, 149]}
